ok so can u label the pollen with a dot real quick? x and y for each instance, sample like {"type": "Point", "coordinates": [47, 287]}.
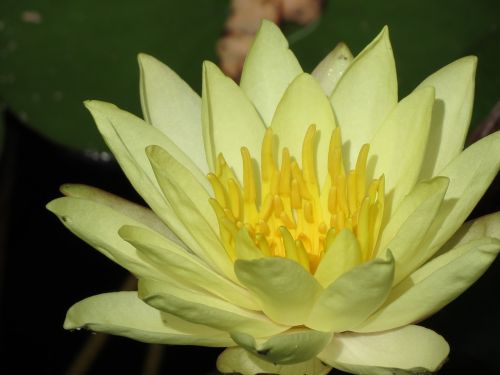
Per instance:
{"type": "Point", "coordinates": [284, 209]}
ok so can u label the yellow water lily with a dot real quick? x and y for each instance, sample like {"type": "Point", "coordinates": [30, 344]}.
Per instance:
{"type": "Point", "coordinates": [301, 221]}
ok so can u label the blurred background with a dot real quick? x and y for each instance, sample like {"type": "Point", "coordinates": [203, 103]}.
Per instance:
{"type": "Point", "coordinates": [54, 54]}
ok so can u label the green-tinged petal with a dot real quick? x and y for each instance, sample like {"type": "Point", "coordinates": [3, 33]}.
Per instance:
{"type": "Point", "coordinates": [172, 106]}
{"type": "Point", "coordinates": [245, 247]}
{"type": "Point", "coordinates": [284, 289]}
{"type": "Point", "coordinates": [135, 211]}
{"type": "Point", "coordinates": [407, 350]}
{"type": "Point", "coordinates": [353, 296]}
{"type": "Point", "coordinates": [434, 285]}
{"type": "Point", "coordinates": [340, 257]}
{"type": "Point", "coordinates": [240, 361]}
{"type": "Point", "coordinates": [302, 105]}
{"type": "Point", "coordinates": [269, 68]}
{"type": "Point", "coordinates": [485, 226]}
{"type": "Point", "coordinates": [124, 314]}
{"type": "Point", "coordinates": [230, 120]}
{"type": "Point", "coordinates": [204, 308]}
{"type": "Point", "coordinates": [185, 267]}
{"type": "Point", "coordinates": [398, 147]}
{"type": "Point", "coordinates": [332, 67]}
{"type": "Point", "coordinates": [470, 174]}
{"type": "Point", "coordinates": [98, 225]}
{"type": "Point", "coordinates": [411, 221]}
{"type": "Point", "coordinates": [366, 94]}
{"type": "Point", "coordinates": [189, 202]}
{"type": "Point", "coordinates": [451, 115]}
{"type": "Point", "coordinates": [293, 346]}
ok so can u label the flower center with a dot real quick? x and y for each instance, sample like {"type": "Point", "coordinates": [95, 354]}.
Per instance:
{"type": "Point", "coordinates": [285, 211]}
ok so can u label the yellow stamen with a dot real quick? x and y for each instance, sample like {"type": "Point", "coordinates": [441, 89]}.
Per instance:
{"type": "Point", "coordinates": [286, 214]}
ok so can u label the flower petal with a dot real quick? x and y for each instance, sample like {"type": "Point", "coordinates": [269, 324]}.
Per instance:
{"type": "Point", "coordinates": [193, 210]}
{"type": "Point", "coordinates": [185, 267]}
{"type": "Point", "coordinates": [293, 117]}
{"type": "Point", "coordinates": [332, 67]}
{"type": "Point", "coordinates": [238, 360]}
{"type": "Point", "coordinates": [284, 289]}
{"type": "Point", "coordinates": [124, 314]}
{"type": "Point", "coordinates": [411, 221]}
{"type": "Point", "coordinates": [172, 106]}
{"type": "Point", "coordinates": [293, 346]}
{"type": "Point", "coordinates": [451, 115]}
{"type": "Point", "coordinates": [353, 296]}
{"type": "Point", "coordinates": [398, 146]}
{"type": "Point", "coordinates": [470, 174]}
{"type": "Point", "coordinates": [340, 257]}
{"type": "Point", "coordinates": [204, 308]}
{"type": "Point", "coordinates": [434, 285]}
{"type": "Point", "coordinates": [135, 211]}
{"type": "Point", "coordinates": [230, 121]}
{"type": "Point", "coordinates": [269, 68]}
{"type": "Point", "coordinates": [98, 225]}
{"type": "Point", "coordinates": [408, 350]}
{"type": "Point", "coordinates": [366, 94]}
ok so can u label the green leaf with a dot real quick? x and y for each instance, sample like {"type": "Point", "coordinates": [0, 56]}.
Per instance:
{"type": "Point", "coordinates": [268, 70]}
{"type": "Point", "coordinates": [124, 314]}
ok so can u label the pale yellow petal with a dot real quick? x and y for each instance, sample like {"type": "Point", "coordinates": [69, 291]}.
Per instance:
{"type": "Point", "coordinates": [329, 71]}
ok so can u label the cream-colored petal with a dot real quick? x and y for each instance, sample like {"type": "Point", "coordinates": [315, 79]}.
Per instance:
{"type": "Point", "coordinates": [407, 350]}
{"type": "Point", "coordinates": [98, 225]}
{"type": "Point", "coordinates": [353, 296]}
{"type": "Point", "coordinates": [340, 257]}
{"type": "Point", "coordinates": [470, 174]}
{"type": "Point", "coordinates": [185, 267]}
{"type": "Point", "coordinates": [434, 285]}
{"type": "Point", "coordinates": [269, 68]}
{"type": "Point", "coordinates": [190, 204]}
{"type": "Point", "coordinates": [133, 210]}
{"type": "Point", "coordinates": [284, 289]}
{"type": "Point", "coordinates": [366, 94]}
{"type": "Point", "coordinates": [411, 221]}
{"type": "Point", "coordinates": [238, 360]}
{"type": "Point", "coordinates": [397, 149]}
{"type": "Point", "coordinates": [199, 307]}
{"type": "Point", "coordinates": [332, 67]}
{"type": "Point", "coordinates": [302, 105]}
{"type": "Point", "coordinates": [169, 104]}
{"type": "Point", "coordinates": [230, 120]}
{"type": "Point", "coordinates": [451, 114]}
{"type": "Point", "coordinates": [124, 314]}
{"type": "Point", "coordinates": [293, 346]}
{"type": "Point", "coordinates": [245, 247]}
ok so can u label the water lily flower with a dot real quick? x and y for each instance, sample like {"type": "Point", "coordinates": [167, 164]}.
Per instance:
{"type": "Point", "coordinates": [301, 221]}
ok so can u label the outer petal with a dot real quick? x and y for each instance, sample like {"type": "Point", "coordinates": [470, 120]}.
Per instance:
{"type": "Point", "coordinates": [269, 68]}
{"type": "Point", "coordinates": [366, 94]}
{"type": "Point", "coordinates": [353, 296]}
{"type": "Point", "coordinates": [98, 225]}
{"type": "Point", "coordinates": [239, 360]}
{"type": "Point", "coordinates": [135, 211]}
{"type": "Point", "coordinates": [230, 121]}
{"type": "Point", "coordinates": [398, 146]}
{"type": "Point", "coordinates": [302, 105]}
{"type": "Point", "coordinates": [332, 67]}
{"type": "Point", "coordinates": [124, 314]}
{"type": "Point", "coordinates": [434, 285]}
{"type": "Point", "coordinates": [408, 350]}
{"type": "Point", "coordinates": [470, 175]}
{"type": "Point", "coordinates": [204, 308]}
{"type": "Point", "coordinates": [451, 115]}
{"type": "Point", "coordinates": [293, 346]}
{"type": "Point", "coordinates": [285, 291]}
{"type": "Point", "coordinates": [193, 213]}
{"type": "Point", "coordinates": [185, 267]}
{"type": "Point", "coordinates": [172, 106]}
